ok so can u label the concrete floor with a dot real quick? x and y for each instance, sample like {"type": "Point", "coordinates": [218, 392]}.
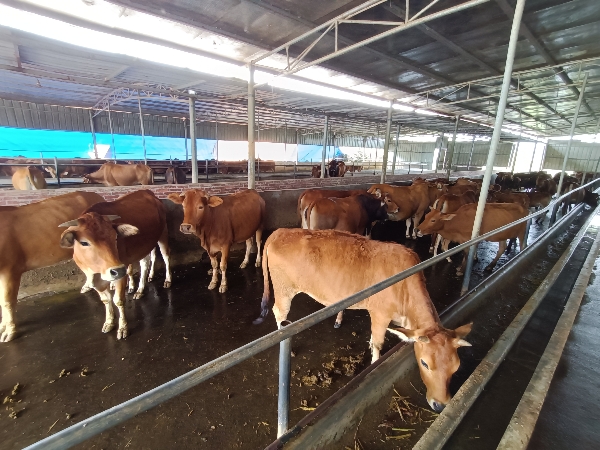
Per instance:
{"type": "Point", "coordinates": [172, 331]}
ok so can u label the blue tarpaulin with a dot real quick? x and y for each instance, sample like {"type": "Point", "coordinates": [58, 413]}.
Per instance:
{"type": "Point", "coordinates": [313, 153]}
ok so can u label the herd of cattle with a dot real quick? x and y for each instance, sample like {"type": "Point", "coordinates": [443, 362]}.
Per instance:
{"type": "Point", "coordinates": [106, 238]}
{"type": "Point", "coordinates": [336, 168]}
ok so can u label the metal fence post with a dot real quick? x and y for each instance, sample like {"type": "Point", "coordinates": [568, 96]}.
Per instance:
{"type": "Point", "coordinates": [283, 398]}
{"type": "Point", "coordinates": [565, 159]}
{"type": "Point", "coordinates": [590, 155]}
{"type": "Point", "coordinates": [514, 160]}
{"type": "Point", "coordinates": [217, 144]}
{"type": "Point", "coordinates": [112, 136]}
{"type": "Point", "coordinates": [437, 160]}
{"type": "Point", "coordinates": [142, 128]}
{"type": "Point", "coordinates": [251, 126]}
{"type": "Point", "coordinates": [451, 152]}
{"type": "Point", "coordinates": [193, 140]}
{"type": "Point", "coordinates": [533, 156]}
{"type": "Point", "coordinates": [206, 166]}
{"type": "Point", "coordinates": [323, 156]}
{"type": "Point", "coordinates": [471, 154]}
{"type": "Point", "coordinates": [93, 134]}
{"type": "Point", "coordinates": [185, 138]}
{"type": "Point", "coordinates": [57, 172]}
{"type": "Point", "coordinates": [258, 169]}
{"type": "Point", "coordinates": [396, 150]}
{"type": "Point", "coordinates": [386, 143]}
{"type": "Point", "coordinates": [510, 56]}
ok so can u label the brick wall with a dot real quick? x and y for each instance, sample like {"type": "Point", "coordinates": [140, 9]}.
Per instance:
{"type": "Point", "coordinates": [9, 197]}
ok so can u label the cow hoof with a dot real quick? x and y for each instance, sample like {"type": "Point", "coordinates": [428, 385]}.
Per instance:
{"type": "Point", "coordinates": [107, 327]}
{"type": "Point", "coordinates": [243, 265]}
{"type": "Point", "coordinates": [419, 234]}
{"type": "Point", "coordinates": [258, 263]}
{"type": "Point", "coordinates": [167, 284]}
{"type": "Point", "coordinates": [122, 333]}
{"type": "Point", "coordinates": [258, 321]}
{"type": "Point", "coordinates": [337, 324]}
{"type": "Point", "coordinates": [138, 295]}
{"type": "Point", "coordinates": [86, 288]}
{"type": "Point", "coordinates": [448, 259]}
{"type": "Point", "coordinates": [8, 333]}
{"type": "Point", "coordinates": [131, 290]}
{"type": "Point", "coordinates": [212, 285]}
{"type": "Point", "coordinates": [223, 289]}
{"type": "Point", "coordinates": [431, 250]}
{"type": "Point", "coordinates": [150, 279]}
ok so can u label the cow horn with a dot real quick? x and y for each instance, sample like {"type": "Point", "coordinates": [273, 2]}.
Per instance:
{"type": "Point", "coordinates": [423, 339]}
{"type": "Point", "coordinates": [111, 217]}
{"type": "Point", "coordinates": [70, 223]}
{"type": "Point", "coordinates": [182, 194]}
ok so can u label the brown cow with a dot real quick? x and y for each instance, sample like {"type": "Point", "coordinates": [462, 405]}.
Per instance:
{"type": "Point", "coordinates": [121, 175]}
{"type": "Point", "coordinates": [316, 172]}
{"type": "Point", "coordinates": [29, 240]}
{"type": "Point", "coordinates": [582, 195]}
{"type": "Point", "coordinates": [310, 195]}
{"type": "Point", "coordinates": [220, 222]}
{"type": "Point", "coordinates": [459, 189]}
{"type": "Point", "coordinates": [77, 171]}
{"type": "Point", "coordinates": [448, 204]}
{"type": "Point", "coordinates": [509, 197]}
{"type": "Point", "coordinates": [293, 257]}
{"type": "Point", "coordinates": [411, 201]}
{"type": "Point", "coordinates": [28, 179]}
{"type": "Point", "coordinates": [175, 175]}
{"type": "Point", "coordinates": [539, 200]}
{"type": "Point", "coordinates": [457, 227]}
{"type": "Point", "coordinates": [108, 237]}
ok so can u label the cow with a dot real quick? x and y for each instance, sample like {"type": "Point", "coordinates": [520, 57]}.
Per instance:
{"type": "Point", "coordinates": [539, 200]}
{"type": "Point", "coordinates": [316, 172]}
{"type": "Point", "coordinates": [175, 175]}
{"type": "Point", "coordinates": [220, 222]}
{"type": "Point", "coordinates": [30, 240]}
{"type": "Point", "coordinates": [449, 203]}
{"type": "Point", "coordinates": [310, 195]}
{"type": "Point", "coordinates": [20, 162]}
{"type": "Point", "coordinates": [77, 171]}
{"type": "Point", "coordinates": [460, 189]}
{"type": "Point", "coordinates": [293, 257]}
{"type": "Point", "coordinates": [509, 197]}
{"type": "Point", "coordinates": [546, 184]}
{"type": "Point", "coordinates": [108, 237]}
{"type": "Point", "coordinates": [332, 168]}
{"type": "Point", "coordinates": [111, 174]}
{"type": "Point", "coordinates": [411, 201]}
{"type": "Point", "coordinates": [265, 166]}
{"type": "Point", "coordinates": [582, 195]}
{"type": "Point", "coordinates": [457, 227]}
{"type": "Point", "coordinates": [28, 179]}
{"type": "Point", "coordinates": [353, 168]}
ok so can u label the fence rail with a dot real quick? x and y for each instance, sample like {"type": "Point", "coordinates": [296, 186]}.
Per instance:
{"type": "Point", "coordinates": [109, 418]}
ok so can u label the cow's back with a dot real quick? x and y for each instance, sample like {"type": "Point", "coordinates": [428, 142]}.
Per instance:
{"type": "Point", "coordinates": [31, 233]}
{"type": "Point", "coordinates": [237, 218]}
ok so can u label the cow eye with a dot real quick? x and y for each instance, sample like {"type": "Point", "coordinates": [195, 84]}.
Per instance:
{"type": "Point", "coordinates": [432, 220]}
{"type": "Point", "coordinates": [424, 364]}
{"type": "Point", "coordinates": [84, 243]}
{"type": "Point", "coordinates": [200, 207]}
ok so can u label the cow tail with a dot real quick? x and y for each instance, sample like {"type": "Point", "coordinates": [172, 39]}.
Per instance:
{"type": "Point", "coordinates": [30, 179]}
{"type": "Point", "coordinates": [266, 298]}
{"type": "Point", "coordinates": [307, 213]}
{"type": "Point", "coordinates": [151, 176]}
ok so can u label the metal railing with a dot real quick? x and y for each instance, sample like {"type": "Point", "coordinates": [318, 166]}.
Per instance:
{"type": "Point", "coordinates": [109, 418]}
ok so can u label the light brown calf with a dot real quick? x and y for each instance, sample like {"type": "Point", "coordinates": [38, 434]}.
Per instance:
{"type": "Point", "coordinates": [29, 240]}
{"type": "Point", "coordinates": [28, 179]}
{"type": "Point", "coordinates": [293, 259]}
{"type": "Point", "coordinates": [220, 222]}
{"type": "Point", "coordinates": [121, 175]}
{"type": "Point", "coordinates": [108, 237]}
{"type": "Point", "coordinates": [310, 195]}
{"type": "Point", "coordinates": [449, 203]}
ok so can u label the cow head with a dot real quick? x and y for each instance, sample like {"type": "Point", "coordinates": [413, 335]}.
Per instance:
{"type": "Point", "coordinates": [316, 172]}
{"type": "Point", "coordinates": [93, 238]}
{"type": "Point", "coordinates": [196, 205]}
{"type": "Point", "coordinates": [437, 358]}
{"type": "Point", "coordinates": [590, 198]}
{"type": "Point", "coordinates": [434, 221]}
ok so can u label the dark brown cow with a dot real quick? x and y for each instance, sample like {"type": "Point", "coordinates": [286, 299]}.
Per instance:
{"type": "Point", "coordinates": [121, 175]}
{"type": "Point", "coordinates": [449, 203]}
{"type": "Point", "coordinates": [220, 222]}
{"type": "Point", "coordinates": [316, 172]}
{"type": "Point", "coordinates": [411, 201]}
{"type": "Point", "coordinates": [457, 227]}
{"type": "Point", "coordinates": [293, 258]}
{"type": "Point", "coordinates": [582, 195]}
{"type": "Point", "coordinates": [108, 237]}
{"type": "Point", "coordinates": [28, 179]}
{"type": "Point", "coordinates": [29, 240]}
{"type": "Point", "coordinates": [310, 195]}
{"type": "Point", "coordinates": [509, 197]}
{"type": "Point", "coordinates": [77, 171]}
{"type": "Point", "coordinates": [539, 200]}
{"type": "Point", "coordinates": [175, 175]}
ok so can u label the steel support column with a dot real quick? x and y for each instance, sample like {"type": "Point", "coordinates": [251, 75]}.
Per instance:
{"type": "Point", "coordinates": [471, 154]}
{"type": "Point", "coordinates": [217, 143]}
{"type": "Point", "coordinates": [568, 151]}
{"type": "Point", "coordinates": [590, 155]}
{"type": "Point", "coordinates": [386, 144]}
{"type": "Point", "coordinates": [437, 160]}
{"type": "Point", "coordinates": [532, 156]}
{"type": "Point", "coordinates": [185, 139]}
{"type": "Point", "coordinates": [451, 152]}
{"type": "Point", "coordinates": [396, 150]}
{"type": "Point", "coordinates": [142, 128]}
{"type": "Point", "coordinates": [251, 126]}
{"type": "Point", "coordinates": [193, 140]}
{"type": "Point", "coordinates": [324, 155]}
{"type": "Point", "coordinates": [514, 159]}
{"type": "Point", "coordinates": [508, 67]}
{"type": "Point", "coordinates": [93, 134]}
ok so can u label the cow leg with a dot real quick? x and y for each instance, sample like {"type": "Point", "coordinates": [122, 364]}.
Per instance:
{"type": "Point", "coordinates": [119, 299]}
{"type": "Point", "coordinates": [9, 287]}
{"type": "Point", "coordinates": [501, 248]}
{"type": "Point", "coordinates": [152, 263]}
{"type": "Point", "coordinates": [378, 329]}
{"type": "Point", "coordinates": [435, 243]}
{"type": "Point", "coordinates": [247, 257]}
{"type": "Point", "coordinates": [144, 267]}
{"type": "Point", "coordinates": [88, 285]}
{"type": "Point", "coordinates": [258, 245]}
{"type": "Point", "coordinates": [338, 319]}
{"type": "Point", "coordinates": [445, 246]}
{"type": "Point", "coordinates": [224, 257]}
{"type": "Point", "coordinates": [165, 251]}
{"type": "Point", "coordinates": [214, 262]}
{"type": "Point", "coordinates": [416, 221]}
{"type": "Point", "coordinates": [461, 270]}
{"type": "Point", "coordinates": [103, 289]}
{"type": "Point", "coordinates": [130, 280]}
{"type": "Point", "coordinates": [408, 222]}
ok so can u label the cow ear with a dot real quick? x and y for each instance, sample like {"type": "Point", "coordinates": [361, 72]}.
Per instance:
{"type": "Point", "coordinates": [448, 216]}
{"type": "Point", "coordinates": [67, 239]}
{"type": "Point", "coordinates": [127, 230]}
{"type": "Point", "coordinates": [70, 223]}
{"type": "Point", "coordinates": [111, 217]}
{"type": "Point", "coordinates": [176, 198]}
{"type": "Point", "coordinates": [214, 201]}
{"type": "Point", "coordinates": [377, 193]}
{"type": "Point", "coordinates": [463, 331]}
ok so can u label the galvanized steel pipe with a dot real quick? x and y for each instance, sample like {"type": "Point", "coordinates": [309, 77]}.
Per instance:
{"type": "Point", "coordinates": [325, 139]}
{"type": "Point", "coordinates": [386, 144]}
{"type": "Point", "coordinates": [251, 125]}
{"type": "Point", "coordinates": [192, 105]}
{"type": "Point", "coordinates": [451, 152]}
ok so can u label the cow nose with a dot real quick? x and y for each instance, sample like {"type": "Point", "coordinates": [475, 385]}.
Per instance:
{"type": "Point", "coordinates": [185, 228]}
{"type": "Point", "coordinates": [437, 406]}
{"type": "Point", "coordinates": [117, 273]}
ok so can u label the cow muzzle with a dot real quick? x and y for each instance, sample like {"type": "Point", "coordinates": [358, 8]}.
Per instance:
{"type": "Point", "coordinates": [438, 407]}
{"type": "Point", "coordinates": [187, 228]}
{"type": "Point", "coordinates": [114, 273]}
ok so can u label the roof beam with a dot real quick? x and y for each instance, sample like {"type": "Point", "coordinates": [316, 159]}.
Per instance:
{"type": "Point", "coordinates": [116, 73]}
{"type": "Point", "coordinates": [188, 84]}
{"type": "Point", "coordinates": [539, 47]}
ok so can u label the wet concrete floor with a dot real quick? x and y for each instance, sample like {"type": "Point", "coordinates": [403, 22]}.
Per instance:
{"type": "Point", "coordinates": [175, 330]}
